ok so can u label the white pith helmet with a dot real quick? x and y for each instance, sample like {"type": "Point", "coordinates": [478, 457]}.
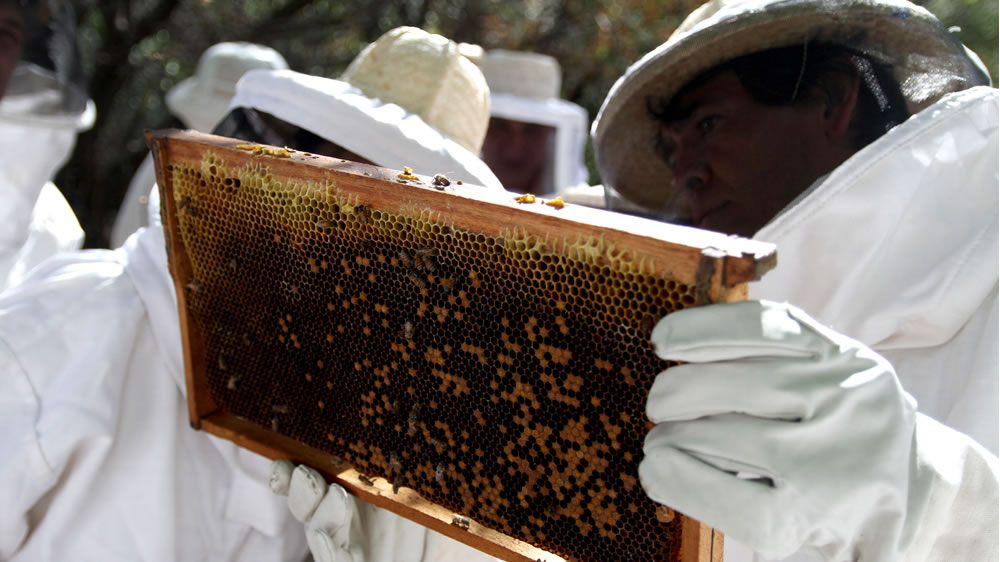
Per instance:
{"type": "Point", "coordinates": [203, 99]}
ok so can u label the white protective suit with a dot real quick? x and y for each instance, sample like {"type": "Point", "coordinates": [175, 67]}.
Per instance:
{"type": "Point", "coordinates": [35, 219]}
{"type": "Point", "coordinates": [100, 463]}
{"type": "Point", "coordinates": [898, 249]}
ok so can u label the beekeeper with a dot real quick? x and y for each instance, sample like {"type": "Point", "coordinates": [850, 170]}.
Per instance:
{"type": "Point", "coordinates": [99, 461]}
{"type": "Point", "coordinates": [43, 106]}
{"type": "Point", "coordinates": [535, 141]}
{"type": "Point", "coordinates": [200, 102]}
{"type": "Point", "coordinates": [861, 138]}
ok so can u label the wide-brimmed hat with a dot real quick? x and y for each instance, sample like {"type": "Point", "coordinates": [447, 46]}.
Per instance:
{"type": "Point", "coordinates": [202, 99]}
{"type": "Point", "coordinates": [926, 59]}
{"type": "Point", "coordinates": [427, 75]}
{"type": "Point", "coordinates": [524, 86]}
{"type": "Point", "coordinates": [379, 130]}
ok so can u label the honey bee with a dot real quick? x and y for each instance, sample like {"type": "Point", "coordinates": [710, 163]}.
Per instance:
{"type": "Point", "coordinates": [404, 259]}
{"type": "Point", "coordinates": [449, 283]}
{"type": "Point", "coordinates": [416, 280]}
{"type": "Point", "coordinates": [441, 181]}
{"type": "Point", "coordinates": [365, 480]}
{"type": "Point", "coordinates": [408, 330]}
{"type": "Point", "coordinates": [231, 383]}
{"type": "Point", "coordinates": [460, 521]}
{"type": "Point", "coordinates": [279, 408]}
{"type": "Point", "coordinates": [423, 258]}
{"type": "Point", "coordinates": [439, 472]}
{"type": "Point", "coordinates": [394, 463]}
{"type": "Point", "coordinates": [414, 417]}
{"type": "Point", "coordinates": [274, 424]}
{"type": "Point", "coordinates": [363, 214]}
{"type": "Point", "coordinates": [194, 286]}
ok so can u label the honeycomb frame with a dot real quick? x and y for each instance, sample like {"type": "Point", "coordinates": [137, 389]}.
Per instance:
{"type": "Point", "coordinates": [486, 398]}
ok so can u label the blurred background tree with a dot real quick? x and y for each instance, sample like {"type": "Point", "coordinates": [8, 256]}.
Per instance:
{"type": "Point", "coordinates": [135, 50]}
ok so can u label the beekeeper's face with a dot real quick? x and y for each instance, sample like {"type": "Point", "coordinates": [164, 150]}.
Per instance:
{"type": "Point", "coordinates": [739, 162]}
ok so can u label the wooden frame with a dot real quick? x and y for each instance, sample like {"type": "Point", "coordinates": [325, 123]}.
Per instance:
{"type": "Point", "coordinates": [716, 266]}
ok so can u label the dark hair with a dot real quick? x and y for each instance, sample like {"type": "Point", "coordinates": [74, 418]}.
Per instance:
{"type": "Point", "coordinates": [251, 125]}
{"type": "Point", "coordinates": [785, 76]}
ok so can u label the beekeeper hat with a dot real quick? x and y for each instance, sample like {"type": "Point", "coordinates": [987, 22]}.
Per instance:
{"type": "Point", "coordinates": [427, 75]}
{"type": "Point", "coordinates": [926, 59]}
{"type": "Point", "coordinates": [201, 100]}
{"type": "Point", "coordinates": [524, 86]}
{"type": "Point", "coordinates": [409, 99]}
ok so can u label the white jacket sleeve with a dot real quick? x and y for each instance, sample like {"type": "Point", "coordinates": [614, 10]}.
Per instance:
{"type": "Point", "coordinates": [960, 518]}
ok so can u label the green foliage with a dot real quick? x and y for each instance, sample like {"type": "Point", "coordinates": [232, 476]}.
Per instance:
{"type": "Point", "coordinates": [136, 50]}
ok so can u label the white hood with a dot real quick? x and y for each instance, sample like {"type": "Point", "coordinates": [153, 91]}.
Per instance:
{"type": "Point", "coordinates": [904, 265]}
{"type": "Point", "coordinates": [384, 133]}
{"type": "Point", "coordinates": [35, 219]}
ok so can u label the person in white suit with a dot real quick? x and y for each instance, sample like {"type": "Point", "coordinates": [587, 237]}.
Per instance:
{"type": "Point", "coordinates": [536, 139]}
{"type": "Point", "coordinates": [100, 463]}
{"type": "Point", "coordinates": [43, 106]}
{"type": "Point", "coordinates": [860, 137]}
{"type": "Point", "coordinates": [200, 102]}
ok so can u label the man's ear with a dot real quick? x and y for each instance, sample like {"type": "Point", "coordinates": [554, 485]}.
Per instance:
{"type": "Point", "coordinates": [839, 96]}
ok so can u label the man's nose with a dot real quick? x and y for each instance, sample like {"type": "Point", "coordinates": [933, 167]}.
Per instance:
{"type": "Point", "coordinates": [688, 165]}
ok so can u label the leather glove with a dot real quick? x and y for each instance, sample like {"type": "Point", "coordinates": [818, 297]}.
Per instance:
{"type": "Point", "coordinates": [324, 509]}
{"type": "Point", "coordinates": [783, 434]}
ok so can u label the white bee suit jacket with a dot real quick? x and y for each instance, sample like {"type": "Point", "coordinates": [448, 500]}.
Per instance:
{"type": "Point", "coordinates": [100, 463]}
{"type": "Point", "coordinates": [35, 219]}
{"type": "Point", "coordinates": [898, 249]}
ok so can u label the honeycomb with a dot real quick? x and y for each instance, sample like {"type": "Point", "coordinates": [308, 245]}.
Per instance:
{"type": "Point", "coordinates": [503, 376]}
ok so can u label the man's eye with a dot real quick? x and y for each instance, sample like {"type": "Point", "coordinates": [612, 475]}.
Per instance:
{"type": "Point", "coordinates": [707, 124]}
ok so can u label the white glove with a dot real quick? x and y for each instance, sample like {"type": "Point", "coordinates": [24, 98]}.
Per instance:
{"type": "Point", "coordinates": [324, 509]}
{"type": "Point", "coordinates": [783, 434]}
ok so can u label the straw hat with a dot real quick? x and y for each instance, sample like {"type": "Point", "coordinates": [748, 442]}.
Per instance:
{"type": "Point", "coordinates": [524, 86]}
{"type": "Point", "coordinates": [427, 75]}
{"type": "Point", "coordinates": [927, 60]}
{"type": "Point", "coordinates": [380, 131]}
{"type": "Point", "coordinates": [202, 100]}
